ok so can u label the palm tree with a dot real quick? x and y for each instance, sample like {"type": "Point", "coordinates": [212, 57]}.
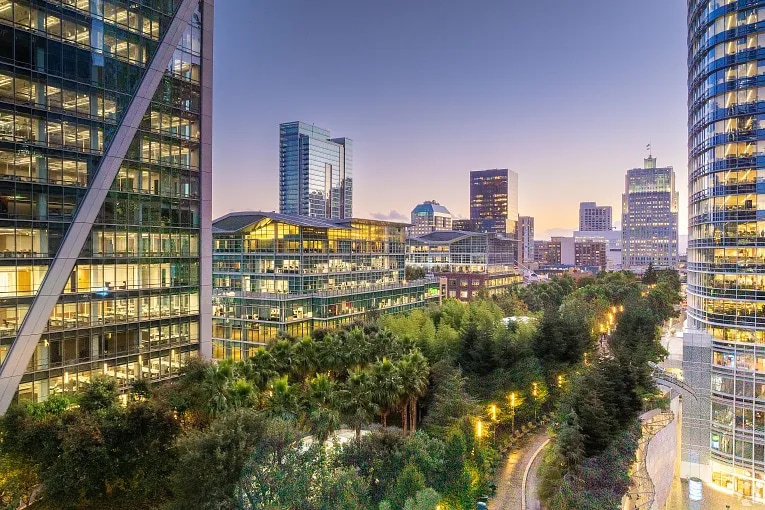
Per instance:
{"type": "Point", "coordinates": [387, 387]}
{"type": "Point", "coordinates": [217, 377]}
{"type": "Point", "coordinates": [260, 368]}
{"type": "Point", "coordinates": [282, 402]}
{"type": "Point", "coordinates": [320, 404]}
{"type": "Point", "coordinates": [303, 358]}
{"type": "Point", "coordinates": [330, 354]}
{"type": "Point", "coordinates": [356, 347]}
{"type": "Point", "coordinates": [281, 352]}
{"type": "Point", "coordinates": [357, 400]}
{"type": "Point", "coordinates": [414, 378]}
{"type": "Point", "coordinates": [385, 343]}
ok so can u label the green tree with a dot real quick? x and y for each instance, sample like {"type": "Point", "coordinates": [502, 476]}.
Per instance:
{"type": "Point", "coordinates": [211, 461]}
{"type": "Point", "coordinates": [357, 400]}
{"type": "Point", "coordinates": [413, 372]}
{"type": "Point", "coordinates": [408, 483]}
{"type": "Point", "coordinates": [387, 387]}
{"type": "Point", "coordinates": [320, 407]}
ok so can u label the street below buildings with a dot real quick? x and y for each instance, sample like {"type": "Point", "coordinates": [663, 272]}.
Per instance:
{"type": "Point", "coordinates": [510, 478]}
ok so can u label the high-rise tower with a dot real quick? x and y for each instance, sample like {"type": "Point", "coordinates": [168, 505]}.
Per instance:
{"type": "Point", "coordinates": [494, 201]}
{"type": "Point", "coordinates": [649, 217]}
{"type": "Point", "coordinates": [105, 180]}
{"type": "Point", "coordinates": [315, 172]}
{"type": "Point", "coordinates": [726, 247]}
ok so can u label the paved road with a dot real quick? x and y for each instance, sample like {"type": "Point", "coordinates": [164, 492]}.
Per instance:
{"type": "Point", "coordinates": [532, 482]}
{"type": "Point", "coordinates": [510, 478]}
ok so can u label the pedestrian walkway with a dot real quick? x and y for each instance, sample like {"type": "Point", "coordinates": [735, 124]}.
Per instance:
{"type": "Point", "coordinates": [510, 477]}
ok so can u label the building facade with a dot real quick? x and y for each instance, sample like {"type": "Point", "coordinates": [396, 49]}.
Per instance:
{"type": "Point", "coordinates": [525, 240]}
{"type": "Point", "coordinates": [590, 254]}
{"type": "Point", "coordinates": [649, 217]}
{"type": "Point", "coordinates": [105, 181]}
{"type": "Point", "coordinates": [275, 273]}
{"type": "Point", "coordinates": [595, 217]}
{"type": "Point", "coordinates": [547, 253]}
{"type": "Point", "coordinates": [429, 217]}
{"type": "Point", "coordinates": [726, 247]}
{"type": "Point", "coordinates": [315, 172]}
{"type": "Point", "coordinates": [494, 201]}
{"type": "Point", "coordinates": [613, 242]}
{"type": "Point", "coordinates": [468, 261]}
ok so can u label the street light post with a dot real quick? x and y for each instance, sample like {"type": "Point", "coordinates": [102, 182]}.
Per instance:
{"type": "Point", "coordinates": [512, 411]}
{"type": "Point", "coordinates": [534, 394]}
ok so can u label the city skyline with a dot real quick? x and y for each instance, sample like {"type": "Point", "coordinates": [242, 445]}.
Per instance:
{"type": "Point", "coordinates": [484, 103]}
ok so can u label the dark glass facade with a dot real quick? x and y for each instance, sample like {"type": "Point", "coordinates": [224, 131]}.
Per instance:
{"type": "Point", "coordinates": [726, 251]}
{"type": "Point", "coordinates": [494, 201]}
{"type": "Point", "coordinates": [315, 172]}
{"type": "Point", "coordinates": [69, 71]}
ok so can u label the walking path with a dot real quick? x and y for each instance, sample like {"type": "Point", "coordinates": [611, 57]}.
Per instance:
{"type": "Point", "coordinates": [510, 478]}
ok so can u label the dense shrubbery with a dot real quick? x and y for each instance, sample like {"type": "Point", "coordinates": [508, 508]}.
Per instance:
{"type": "Point", "coordinates": [228, 435]}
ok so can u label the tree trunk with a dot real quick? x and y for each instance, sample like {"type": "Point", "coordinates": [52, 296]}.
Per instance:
{"type": "Point", "coordinates": [358, 433]}
{"type": "Point", "coordinates": [413, 415]}
{"type": "Point", "coordinates": [404, 417]}
{"type": "Point", "coordinates": [384, 418]}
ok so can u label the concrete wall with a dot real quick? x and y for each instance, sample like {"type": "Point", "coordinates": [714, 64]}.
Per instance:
{"type": "Point", "coordinates": [661, 456]}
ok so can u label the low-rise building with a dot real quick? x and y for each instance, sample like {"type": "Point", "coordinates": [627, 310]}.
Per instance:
{"type": "Point", "coordinates": [590, 254]}
{"type": "Point", "coordinates": [276, 273]}
{"type": "Point", "coordinates": [470, 262]}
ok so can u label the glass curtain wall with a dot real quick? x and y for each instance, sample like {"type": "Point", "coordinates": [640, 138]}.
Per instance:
{"type": "Point", "coordinates": [726, 256]}
{"type": "Point", "coordinates": [68, 69]}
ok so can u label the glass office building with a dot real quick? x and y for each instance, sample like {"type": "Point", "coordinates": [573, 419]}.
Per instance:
{"type": "Point", "coordinates": [649, 217]}
{"type": "Point", "coordinates": [494, 201]}
{"type": "Point", "coordinates": [105, 159]}
{"type": "Point", "coordinates": [315, 172]}
{"type": "Point", "coordinates": [276, 273]}
{"type": "Point", "coordinates": [726, 251]}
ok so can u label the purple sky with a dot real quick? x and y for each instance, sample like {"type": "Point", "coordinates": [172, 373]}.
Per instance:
{"type": "Point", "coordinates": [565, 93]}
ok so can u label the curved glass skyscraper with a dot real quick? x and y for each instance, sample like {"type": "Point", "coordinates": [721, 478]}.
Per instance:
{"type": "Point", "coordinates": [726, 252]}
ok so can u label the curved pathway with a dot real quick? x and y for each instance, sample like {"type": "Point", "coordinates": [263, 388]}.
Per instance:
{"type": "Point", "coordinates": [510, 478]}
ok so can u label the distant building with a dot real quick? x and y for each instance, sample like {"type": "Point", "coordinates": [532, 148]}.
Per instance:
{"type": "Point", "coordinates": [525, 240]}
{"type": "Point", "coordinates": [429, 217]}
{"type": "Point", "coordinates": [595, 217]}
{"type": "Point", "coordinates": [469, 261]}
{"type": "Point", "coordinates": [494, 201]}
{"type": "Point", "coordinates": [613, 242]}
{"type": "Point", "coordinates": [276, 273]}
{"type": "Point", "coordinates": [547, 253]}
{"type": "Point", "coordinates": [590, 254]}
{"type": "Point", "coordinates": [315, 172]}
{"type": "Point", "coordinates": [567, 249]}
{"type": "Point", "coordinates": [649, 217]}
{"type": "Point", "coordinates": [465, 225]}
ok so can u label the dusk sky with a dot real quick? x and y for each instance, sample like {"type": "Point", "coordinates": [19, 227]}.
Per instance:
{"type": "Point", "coordinates": [567, 94]}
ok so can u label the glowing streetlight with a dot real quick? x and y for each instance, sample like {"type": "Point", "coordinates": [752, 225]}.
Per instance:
{"type": "Point", "coordinates": [479, 429]}
{"type": "Point", "coordinates": [560, 381]}
{"type": "Point", "coordinates": [534, 393]}
{"type": "Point", "coordinates": [493, 410]}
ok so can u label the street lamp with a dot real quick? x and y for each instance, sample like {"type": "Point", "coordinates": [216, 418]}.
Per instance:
{"type": "Point", "coordinates": [479, 429]}
{"type": "Point", "coordinates": [534, 394]}
{"type": "Point", "coordinates": [560, 381]}
{"type": "Point", "coordinates": [512, 411]}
